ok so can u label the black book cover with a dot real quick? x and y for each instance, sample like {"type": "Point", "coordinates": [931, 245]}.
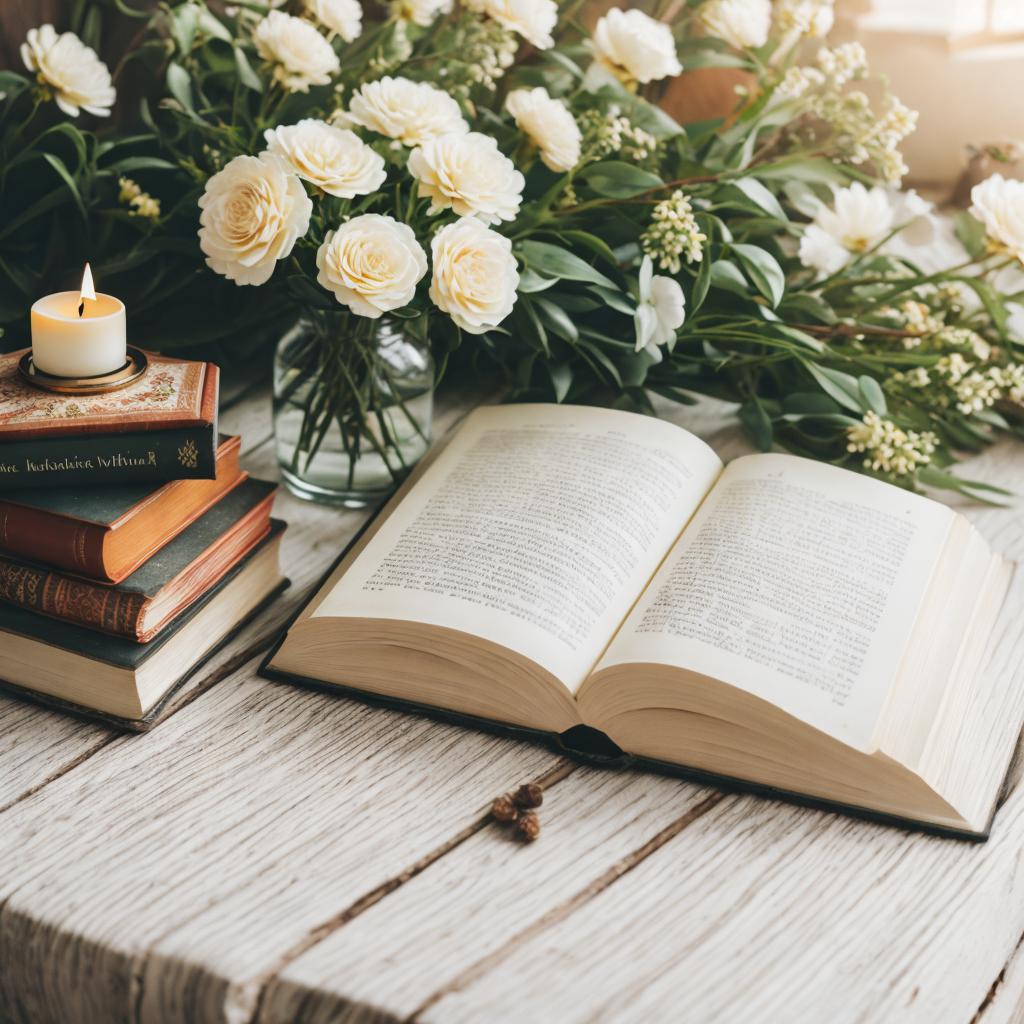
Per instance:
{"type": "Point", "coordinates": [186, 453]}
{"type": "Point", "coordinates": [102, 504]}
{"type": "Point", "coordinates": [588, 745]}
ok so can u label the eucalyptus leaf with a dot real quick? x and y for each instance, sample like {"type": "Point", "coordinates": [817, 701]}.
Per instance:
{"type": "Point", "coordinates": [550, 260]}
{"type": "Point", "coordinates": [619, 180]}
{"type": "Point", "coordinates": [764, 271]}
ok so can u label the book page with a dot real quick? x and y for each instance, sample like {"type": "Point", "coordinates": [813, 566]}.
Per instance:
{"type": "Point", "coordinates": [536, 527]}
{"type": "Point", "coordinates": [798, 582]}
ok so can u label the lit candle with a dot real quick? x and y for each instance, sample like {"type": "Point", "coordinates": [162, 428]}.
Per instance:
{"type": "Point", "coordinates": [79, 334]}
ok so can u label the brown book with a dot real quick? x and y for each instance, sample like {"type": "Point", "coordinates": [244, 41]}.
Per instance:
{"type": "Point", "coordinates": [161, 589]}
{"type": "Point", "coordinates": [107, 532]}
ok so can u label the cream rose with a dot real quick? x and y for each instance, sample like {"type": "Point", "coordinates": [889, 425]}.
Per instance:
{"type": "Point", "coordinates": [635, 43]}
{"type": "Point", "coordinates": [372, 264]}
{"type": "Point", "coordinates": [333, 159]}
{"type": "Point", "coordinates": [999, 204]}
{"type": "Point", "coordinates": [345, 17]}
{"type": "Point", "coordinates": [549, 124]}
{"type": "Point", "coordinates": [302, 57]}
{"type": "Point", "coordinates": [534, 20]}
{"type": "Point", "coordinates": [741, 23]}
{"type": "Point", "coordinates": [78, 78]}
{"type": "Point", "coordinates": [475, 276]}
{"type": "Point", "coordinates": [468, 174]}
{"type": "Point", "coordinates": [411, 112]}
{"type": "Point", "coordinates": [252, 213]}
{"type": "Point", "coordinates": [423, 12]}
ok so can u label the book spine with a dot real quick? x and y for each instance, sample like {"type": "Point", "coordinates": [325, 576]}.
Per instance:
{"type": "Point", "coordinates": [185, 454]}
{"type": "Point", "coordinates": [71, 600]}
{"type": "Point", "coordinates": [38, 537]}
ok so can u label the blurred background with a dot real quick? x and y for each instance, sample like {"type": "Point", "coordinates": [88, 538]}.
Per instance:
{"type": "Point", "coordinates": [960, 63]}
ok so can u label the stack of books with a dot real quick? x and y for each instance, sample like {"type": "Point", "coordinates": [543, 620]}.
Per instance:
{"type": "Point", "coordinates": [132, 543]}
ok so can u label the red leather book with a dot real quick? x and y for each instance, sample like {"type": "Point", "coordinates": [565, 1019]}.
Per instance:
{"type": "Point", "coordinates": [107, 532]}
{"type": "Point", "coordinates": [161, 589]}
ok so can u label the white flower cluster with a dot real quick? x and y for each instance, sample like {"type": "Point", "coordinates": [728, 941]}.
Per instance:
{"type": "Point", "coordinates": [142, 203]}
{"type": "Point", "coordinates": [861, 134]}
{"type": "Point", "coordinates": [613, 132]}
{"type": "Point", "coordinates": [673, 233]}
{"type": "Point", "coordinates": [888, 448]}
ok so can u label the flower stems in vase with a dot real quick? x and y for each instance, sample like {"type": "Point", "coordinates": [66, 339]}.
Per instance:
{"type": "Point", "coordinates": [353, 400]}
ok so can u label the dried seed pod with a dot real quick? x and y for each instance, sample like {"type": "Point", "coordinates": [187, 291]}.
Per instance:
{"type": "Point", "coordinates": [529, 795]}
{"type": "Point", "coordinates": [504, 808]}
{"type": "Point", "coordinates": [528, 826]}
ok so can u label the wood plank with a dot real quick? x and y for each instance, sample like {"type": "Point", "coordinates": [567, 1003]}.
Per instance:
{"type": "Point", "coordinates": [386, 962]}
{"type": "Point", "coordinates": [1005, 1001]}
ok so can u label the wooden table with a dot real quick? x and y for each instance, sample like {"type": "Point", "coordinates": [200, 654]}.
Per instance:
{"type": "Point", "coordinates": [274, 854]}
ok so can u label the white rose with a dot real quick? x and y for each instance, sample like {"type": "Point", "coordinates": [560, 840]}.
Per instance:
{"type": "Point", "coordinates": [78, 78]}
{"type": "Point", "coordinates": [424, 12]}
{"type": "Point", "coordinates": [342, 16]}
{"type": "Point", "coordinates": [475, 276]}
{"type": "Point", "coordinates": [333, 159]}
{"type": "Point", "coordinates": [302, 57]}
{"type": "Point", "coordinates": [534, 20]}
{"type": "Point", "coordinates": [999, 204]}
{"type": "Point", "coordinates": [660, 312]}
{"type": "Point", "coordinates": [636, 43]}
{"type": "Point", "coordinates": [741, 23]}
{"type": "Point", "coordinates": [372, 264]}
{"type": "Point", "coordinates": [252, 213]}
{"type": "Point", "coordinates": [412, 112]}
{"type": "Point", "coordinates": [468, 174]}
{"type": "Point", "coordinates": [549, 124]}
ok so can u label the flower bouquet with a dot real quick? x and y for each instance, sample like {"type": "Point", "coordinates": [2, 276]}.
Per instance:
{"type": "Point", "coordinates": [493, 178]}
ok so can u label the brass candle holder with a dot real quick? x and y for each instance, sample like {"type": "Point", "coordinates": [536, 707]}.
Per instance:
{"type": "Point", "coordinates": [134, 369]}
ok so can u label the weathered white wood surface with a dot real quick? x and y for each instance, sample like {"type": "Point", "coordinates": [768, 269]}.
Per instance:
{"type": "Point", "coordinates": [273, 854]}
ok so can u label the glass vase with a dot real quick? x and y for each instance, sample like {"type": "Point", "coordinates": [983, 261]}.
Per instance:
{"type": "Point", "coordinates": [353, 401]}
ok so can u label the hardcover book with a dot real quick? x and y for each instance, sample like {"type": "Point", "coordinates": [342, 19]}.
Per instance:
{"type": "Point", "coordinates": [162, 427]}
{"type": "Point", "coordinates": [775, 624]}
{"type": "Point", "coordinates": [107, 531]}
{"type": "Point", "coordinates": [161, 588]}
{"type": "Point", "coordinates": [124, 683]}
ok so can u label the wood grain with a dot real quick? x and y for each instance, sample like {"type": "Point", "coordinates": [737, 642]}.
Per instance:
{"type": "Point", "coordinates": [276, 854]}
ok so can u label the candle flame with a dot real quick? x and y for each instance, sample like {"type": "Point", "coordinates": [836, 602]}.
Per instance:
{"type": "Point", "coordinates": [87, 291]}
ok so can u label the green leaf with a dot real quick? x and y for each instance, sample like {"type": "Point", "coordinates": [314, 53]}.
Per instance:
{"type": "Point", "coordinates": [800, 337]}
{"type": "Point", "coordinates": [872, 394]}
{"type": "Point", "coordinates": [557, 319]}
{"type": "Point", "coordinates": [140, 163]}
{"type": "Point", "coordinates": [764, 271]}
{"type": "Point", "coordinates": [725, 274]}
{"type": "Point", "coordinates": [596, 245]}
{"type": "Point", "coordinates": [990, 299]}
{"type": "Point", "coordinates": [179, 84]}
{"type": "Point", "coordinates": [814, 170]}
{"type": "Point", "coordinates": [553, 261]}
{"type": "Point", "coordinates": [619, 180]}
{"type": "Point", "coordinates": [757, 193]}
{"type": "Point", "coordinates": [840, 386]}
{"type": "Point", "coordinates": [701, 284]}
{"type": "Point", "coordinates": [759, 426]}
{"type": "Point", "coordinates": [530, 281]}
{"type": "Point", "coordinates": [246, 75]}
{"type": "Point", "coordinates": [932, 476]}
{"type": "Point", "coordinates": [614, 298]}
{"type": "Point", "coordinates": [971, 233]}
{"type": "Point", "coordinates": [561, 379]}
{"type": "Point", "coordinates": [210, 26]}
{"type": "Point", "coordinates": [809, 403]}
{"type": "Point", "coordinates": [58, 165]}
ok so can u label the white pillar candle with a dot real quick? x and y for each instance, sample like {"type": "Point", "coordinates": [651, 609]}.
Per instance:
{"type": "Point", "coordinates": [65, 344]}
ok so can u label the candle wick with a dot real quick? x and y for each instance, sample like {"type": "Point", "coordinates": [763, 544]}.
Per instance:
{"type": "Point", "coordinates": [81, 308]}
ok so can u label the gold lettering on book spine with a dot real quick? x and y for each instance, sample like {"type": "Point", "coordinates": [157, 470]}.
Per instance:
{"type": "Point", "coordinates": [188, 455]}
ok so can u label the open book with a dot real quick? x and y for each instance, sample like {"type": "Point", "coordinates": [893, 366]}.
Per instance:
{"type": "Point", "coordinates": [777, 621]}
